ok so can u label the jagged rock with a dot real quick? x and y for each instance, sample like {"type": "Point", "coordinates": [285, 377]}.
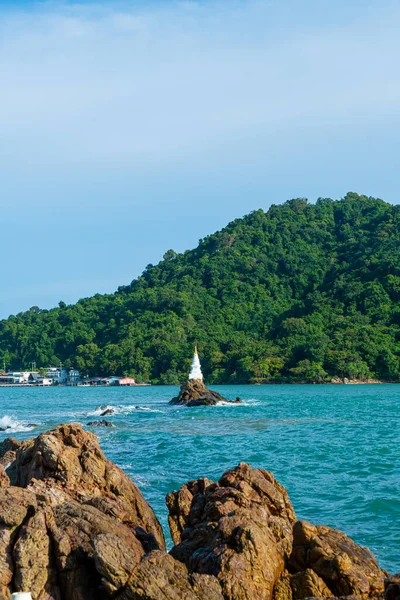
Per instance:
{"type": "Point", "coordinates": [70, 459]}
{"type": "Point", "coordinates": [74, 527]}
{"type": "Point", "coordinates": [304, 584]}
{"type": "Point", "coordinates": [157, 576]}
{"type": "Point", "coordinates": [63, 495]}
{"type": "Point", "coordinates": [239, 529]}
{"type": "Point", "coordinates": [307, 584]}
{"type": "Point", "coordinates": [186, 507]}
{"type": "Point", "coordinates": [101, 423]}
{"type": "Point", "coordinates": [346, 568]}
{"type": "Point", "coordinates": [195, 393]}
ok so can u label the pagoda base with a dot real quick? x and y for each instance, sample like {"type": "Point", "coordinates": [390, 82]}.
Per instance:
{"type": "Point", "coordinates": [195, 393]}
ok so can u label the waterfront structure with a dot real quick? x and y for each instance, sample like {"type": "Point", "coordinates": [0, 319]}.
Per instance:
{"type": "Point", "coordinates": [62, 376]}
{"type": "Point", "coordinates": [36, 378]}
{"type": "Point", "coordinates": [7, 379]}
{"type": "Point", "coordinates": [19, 376]}
{"type": "Point", "coordinates": [51, 376]}
{"type": "Point", "coordinates": [58, 374]}
{"type": "Point", "coordinates": [73, 377]}
{"type": "Point", "coordinates": [126, 381]}
{"type": "Point", "coordinates": [195, 370]}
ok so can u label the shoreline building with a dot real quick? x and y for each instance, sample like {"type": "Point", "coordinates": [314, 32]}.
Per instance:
{"type": "Point", "coordinates": [62, 376]}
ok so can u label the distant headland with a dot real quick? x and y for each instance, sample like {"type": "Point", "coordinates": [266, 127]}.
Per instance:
{"type": "Point", "coordinates": [302, 293]}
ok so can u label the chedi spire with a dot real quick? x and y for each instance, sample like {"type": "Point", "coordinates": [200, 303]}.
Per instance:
{"type": "Point", "coordinates": [193, 392]}
{"type": "Point", "coordinates": [195, 369]}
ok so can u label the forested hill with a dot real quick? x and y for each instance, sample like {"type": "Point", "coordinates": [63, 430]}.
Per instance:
{"type": "Point", "coordinates": [303, 292]}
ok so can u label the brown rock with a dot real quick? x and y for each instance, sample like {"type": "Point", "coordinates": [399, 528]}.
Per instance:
{"type": "Point", "coordinates": [64, 495]}
{"type": "Point", "coordinates": [157, 577]}
{"type": "Point", "coordinates": [195, 393]}
{"type": "Point", "coordinates": [186, 507]}
{"type": "Point", "coordinates": [4, 479]}
{"type": "Point", "coordinates": [101, 423]}
{"type": "Point", "coordinates": [307, 584]}
{"type": "Point", "coordinates": [107, 412]}
{"type": "Point", "coordinates": [345, 568]}
{"type": "Point", "coordinates": [282, 588]}
{"type": "Point", "coordinates": [32, 555]}
{"type": "Point", "coordinates": [239, 530]}
{"type": "Point", "coordinates": [74, 527]}
{"type": "Point", "coordinates": [15, 506]}
{"type": "Point", "coordinates": [70, 459]}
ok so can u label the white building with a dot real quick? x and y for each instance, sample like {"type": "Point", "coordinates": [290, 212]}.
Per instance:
{"type": "Point", "coordinates": [195, 370]}
{"type": "Point", "coordinates": [19, 376]}
{"type": "Point", "coordinates": [57, 374]}
{"type": "Point", "coordinates": [73, 377]}
{"type": "Point", "coordinates": [60, 375]}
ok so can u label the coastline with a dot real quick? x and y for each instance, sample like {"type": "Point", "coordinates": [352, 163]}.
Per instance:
{"type": "Point", "coordinates": [276, 382]}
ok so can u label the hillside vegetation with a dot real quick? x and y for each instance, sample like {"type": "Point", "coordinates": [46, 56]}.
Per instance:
{"type": "Point", "coordinates": [301, 292]}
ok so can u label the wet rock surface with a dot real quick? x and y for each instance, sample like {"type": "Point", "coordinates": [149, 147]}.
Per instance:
{"type": "Point", "coordinates": [195, 393]}
{"type": "Point", "coordinates": [101, 423]}
{"type": "Point", "coordinates": [74, 527]}
{"type": "Point", "coordinates": [107, 412]}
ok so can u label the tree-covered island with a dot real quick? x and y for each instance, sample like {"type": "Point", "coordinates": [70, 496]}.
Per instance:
{"type": "Point", "coordinates": [302, 292]}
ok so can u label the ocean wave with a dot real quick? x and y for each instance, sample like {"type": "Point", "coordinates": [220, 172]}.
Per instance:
{"type": "Point", "coordinates": [242, 403]}
{"type": "Point", "coordinates": [120, 410]}
{"type": "Point", "coordinates": [10, 425]}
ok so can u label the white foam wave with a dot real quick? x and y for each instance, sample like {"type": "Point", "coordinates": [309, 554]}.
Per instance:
{"type": "Point", "coordinates": [121, 410]}
{"type": "Point", "coordinates": [10, 425]}
{"type": "Point", "coordinates": [242, 403]}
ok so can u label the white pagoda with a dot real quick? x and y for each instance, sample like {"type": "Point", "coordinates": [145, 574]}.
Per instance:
{"type": "Point", "coordinates": [195, 369]}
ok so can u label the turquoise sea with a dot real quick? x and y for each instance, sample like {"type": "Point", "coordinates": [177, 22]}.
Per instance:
{"type": "Point", "coordinates": [336, 448]}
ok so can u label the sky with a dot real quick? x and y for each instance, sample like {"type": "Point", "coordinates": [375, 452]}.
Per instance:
{"type": "Point", "coordinates": [128, 128]}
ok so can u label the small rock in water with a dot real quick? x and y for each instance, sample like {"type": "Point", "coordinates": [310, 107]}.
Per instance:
{"type": "Point", "coordinates": [101, 423]}
{"type": "Point", "coordinates": [109, 411]}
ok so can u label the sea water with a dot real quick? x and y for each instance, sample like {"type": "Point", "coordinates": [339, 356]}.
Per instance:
{"type": "Point", "coordinates": [336, 448]}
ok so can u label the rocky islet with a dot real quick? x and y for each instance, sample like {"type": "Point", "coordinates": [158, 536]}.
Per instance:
{"type": "Point", "coordinates": [194, 393]}
{"type": "Point", "coordinates": [73, 526]}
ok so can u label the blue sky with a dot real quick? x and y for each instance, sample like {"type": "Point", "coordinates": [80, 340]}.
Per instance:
{"type": "Point", "coordinates": [128, 128]}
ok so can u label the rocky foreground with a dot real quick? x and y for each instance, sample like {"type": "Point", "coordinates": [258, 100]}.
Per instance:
{"type": "Point", "coordinates": [73, 526]}
{"type": "Point", "coordinates": [195, 393]}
